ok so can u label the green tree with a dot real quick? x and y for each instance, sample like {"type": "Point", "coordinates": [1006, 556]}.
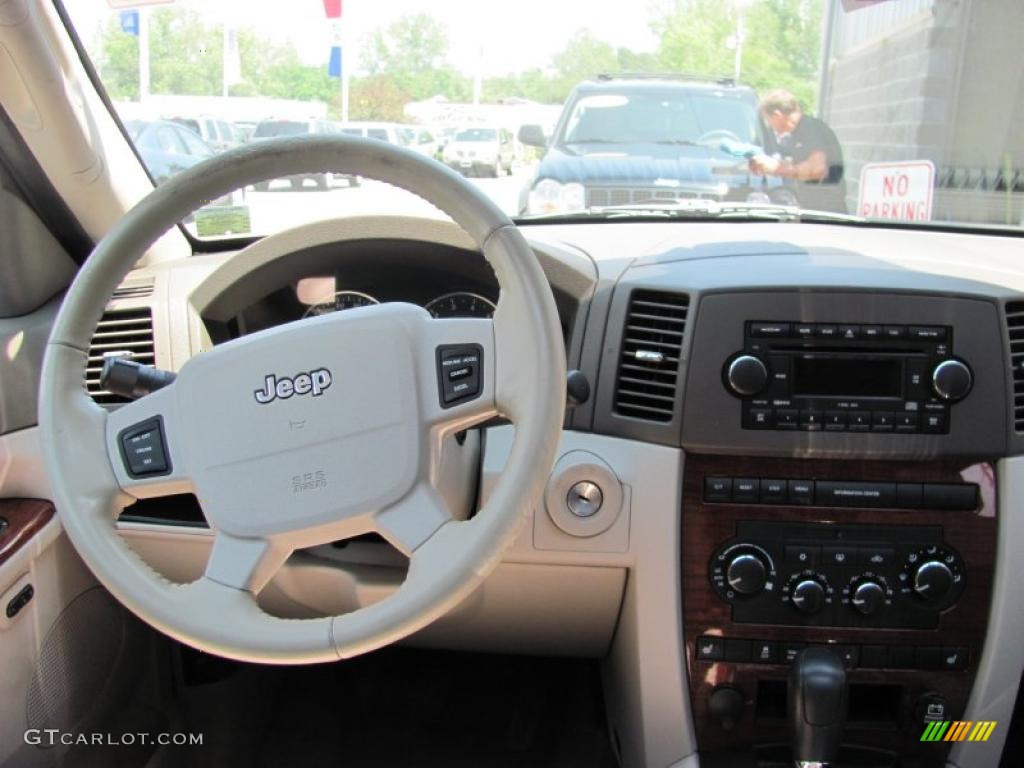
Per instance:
{"type": "Point", "coordinates": [377, 97]}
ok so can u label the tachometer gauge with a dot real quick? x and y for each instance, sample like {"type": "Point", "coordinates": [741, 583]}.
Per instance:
{"type": "Point", "coordinates": [461, 304]}
{"type": "Point", "coordinates": [341, 300]}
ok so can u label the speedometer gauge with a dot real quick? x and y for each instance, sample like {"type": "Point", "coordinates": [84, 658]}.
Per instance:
{"type": "Point", "coordinates": [339, 301]}
{"type": "Point", "coordinates": [461, 304]}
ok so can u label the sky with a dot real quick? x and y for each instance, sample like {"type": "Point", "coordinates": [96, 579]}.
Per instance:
{"type": "Point", "coordinates": [498, 37]}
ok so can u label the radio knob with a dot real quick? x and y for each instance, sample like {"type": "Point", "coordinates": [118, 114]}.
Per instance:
{"type": "Point", "coordinates": [746, 375]}
{"type": "Point", "coordinates": [868, 597]}
{"type": "Point", "coordinates": [952, 380]}
{"type": "Point", "coordinates": [746, 574]}
{"type": "Point", "coordinates": [808, 596]}
{"type": "Point", "coordinates": [933, 581]}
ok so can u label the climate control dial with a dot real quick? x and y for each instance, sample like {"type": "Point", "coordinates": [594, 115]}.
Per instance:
{"type": "Point", "coordinates": [742, 570]}
{"type": "Point", "coordinates": [934, 574]}
{"type": "Point", "coordinates": [868, 593]}
{"type": "Point", "coordinates": [808, 592]}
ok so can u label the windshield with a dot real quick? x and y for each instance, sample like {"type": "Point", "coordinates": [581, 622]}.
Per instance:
{"type": "Point", "coordinates": [667, 117]}
{"type": "Point", "coordinates": [281, 128]}
{"type": "Point", "coordinates": [897, 110]}
{"type": "Point", "coordinates": [477, 134]}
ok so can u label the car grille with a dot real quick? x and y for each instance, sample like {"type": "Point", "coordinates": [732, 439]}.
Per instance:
{"type": "Point", "coordinates": [600, 196]}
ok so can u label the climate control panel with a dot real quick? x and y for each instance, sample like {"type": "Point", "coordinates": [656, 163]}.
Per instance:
{"type": "Point", "coordinates": [815, 574]}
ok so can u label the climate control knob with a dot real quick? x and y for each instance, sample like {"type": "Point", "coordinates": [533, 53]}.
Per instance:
{"type": "Point", "coordinates": [746, 375]}
{"type": "Point", "coordinates": [746, 574]}
{"type": "Point", "coordinates": [868, 597]}
{"type": "Point", "coordinates": [952, 380]}
{"type": "Point", "coordinates": [808, 596]}
{"type": "Point", "coordinates": [933, 581]}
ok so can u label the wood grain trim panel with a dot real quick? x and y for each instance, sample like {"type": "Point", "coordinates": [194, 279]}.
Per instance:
{"type": "Point", "coordinates": [25, 518]}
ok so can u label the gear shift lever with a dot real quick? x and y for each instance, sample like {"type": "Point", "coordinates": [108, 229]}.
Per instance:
{"type": "Point", "coordinates": [817, 707]}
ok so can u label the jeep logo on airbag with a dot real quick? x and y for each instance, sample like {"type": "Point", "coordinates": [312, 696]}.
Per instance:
{"type": "Point", "coordinates": [313, 383]}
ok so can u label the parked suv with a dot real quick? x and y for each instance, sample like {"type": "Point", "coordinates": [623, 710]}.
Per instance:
{"type": "Point", "coordinates": [622, 141]}
{"type": "Point", "coordinates": [278, 128]}
{"type": "Point", "coordinates": [480, 150]}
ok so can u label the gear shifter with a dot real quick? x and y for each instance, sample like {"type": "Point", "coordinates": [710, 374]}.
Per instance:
{"type": "Point", "coordinates": [817, 707]}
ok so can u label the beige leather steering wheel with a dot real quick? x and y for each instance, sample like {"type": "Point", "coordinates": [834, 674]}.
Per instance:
{"type": "Point", "coordinates": [375, 389]}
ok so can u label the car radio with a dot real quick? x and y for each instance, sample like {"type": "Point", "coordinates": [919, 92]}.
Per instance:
{"type": "Point", "coordinates": [847, 377]}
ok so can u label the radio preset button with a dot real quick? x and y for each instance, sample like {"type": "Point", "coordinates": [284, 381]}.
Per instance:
{"type": "Point", "coordinates": [883, 421]}
{"type": "Point", "coordinates": [835, 421]}
{"type": "Point", "coordinates": [826, 331]}
{"type": "Point", "coordinates": [786, 418]}
{"type": "Point", "coordinates": [811, 420]}
{"type": "Point", "coordinates": [906, 422]}
{"type": "Point", "coordinates": [859, 421]}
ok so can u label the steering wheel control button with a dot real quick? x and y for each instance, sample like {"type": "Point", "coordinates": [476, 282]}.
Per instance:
{"type": "Point", "coordinates": [584, 499]}
{"type": "Point", "coordinates": [144, 449]}
{"type": "Point", "coordinates": [459, 372]}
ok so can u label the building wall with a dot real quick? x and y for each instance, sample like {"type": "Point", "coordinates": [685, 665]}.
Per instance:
{"type": "Point", "coordinates": [930, 79]}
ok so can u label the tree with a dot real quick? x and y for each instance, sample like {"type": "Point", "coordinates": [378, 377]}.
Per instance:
{"type": "Point", "coordinates": [377, 97]}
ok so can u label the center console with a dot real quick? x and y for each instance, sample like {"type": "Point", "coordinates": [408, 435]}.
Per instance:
{"type": "Point", "coordinates": [839, 491]}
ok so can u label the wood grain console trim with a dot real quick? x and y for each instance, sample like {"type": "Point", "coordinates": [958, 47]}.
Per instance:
{"type": "Point", "coordinates": [25, 518]}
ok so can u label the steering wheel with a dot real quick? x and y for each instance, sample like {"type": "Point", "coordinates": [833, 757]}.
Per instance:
{"type": "Point", "coordinates": [309, 432]}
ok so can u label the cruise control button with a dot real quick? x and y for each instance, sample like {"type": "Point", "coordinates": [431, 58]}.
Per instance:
{"type": "Point", "coordinates": [144, 449]}
{"type": "Point", "coordinates": [460, 373]}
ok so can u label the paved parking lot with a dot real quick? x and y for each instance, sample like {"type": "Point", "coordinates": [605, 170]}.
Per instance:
{"type": "Point", "coordinates": [281, 206]}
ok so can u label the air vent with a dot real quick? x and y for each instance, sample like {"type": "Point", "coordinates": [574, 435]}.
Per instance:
{"type": "Point", "coordinates": [652, 343]}
{"type": "Point", "coordinates": [1015, 326]}
{"type": "Point", "coordinates": [120, 333]}
{"type": "Point", "coordinates": [134, 289]}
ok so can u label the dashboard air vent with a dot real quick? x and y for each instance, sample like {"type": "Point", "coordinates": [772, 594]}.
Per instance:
{"type": "Point", "coordinates": [1015, 326]}
{"type": "Point", "coordinates": [652, 343]}
{"type": "Point", "coordinates": [120, 333]}
{"type": "Point", "coordinates": [134, 289]}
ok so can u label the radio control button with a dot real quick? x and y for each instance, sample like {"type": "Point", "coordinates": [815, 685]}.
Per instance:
{"type": "Point", "coordinates": [835, 421]}
{"type": "Point", "coordinates": [746, 375]}
{"type": "Point", "coordinates": [952, 380]}
{"type": "Point", "coordinates": [859, 421]}
{"type": "Point", "coordinates": [803, 330]}
{"type": "Point", "coordinates": [895, 332]}
{"type": "Point", "coordinates": [759, 418]}
{"type": "Point", "coordinates": [928, 333]}
{"type": "Point", "coordinates": [849, 332]}
{"type": "Point", "coordinates": [746, 489]}
{"type": "Point", "coordinates": [769, 330]}
{"type": "Point", "coordinates": [811, 420]}
{"type": "Point", "coordinates": [773, 491]}
{"type": "Point", "coordinates": [826, 331]}
{"type": "Point", "coordinates": [872, 332]}
{"type": "Point", "coordinates": [934, 423]}
{"type": "Point", "coordinates": [786, 418]}
{"type": "Point", "coordinates": [778, 378]}
{"type": "Point", "coordinates": [801, 492]}
{"type": "Point", "coordinates": [883, 421]}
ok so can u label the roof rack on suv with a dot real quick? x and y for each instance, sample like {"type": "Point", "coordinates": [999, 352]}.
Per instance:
{"type": "Point", "coordinates": [692, 77]}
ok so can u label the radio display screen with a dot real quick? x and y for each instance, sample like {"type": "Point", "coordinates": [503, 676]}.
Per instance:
{"type": "Point", "coordinates": [847, 377]}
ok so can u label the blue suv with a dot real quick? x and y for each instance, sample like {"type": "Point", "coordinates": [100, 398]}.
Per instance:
{"type": "Point", "coordinates": [633, 140]}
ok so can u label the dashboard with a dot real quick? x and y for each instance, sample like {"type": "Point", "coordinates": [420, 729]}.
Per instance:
{"type": "Point", "coordinates": [802, 434]}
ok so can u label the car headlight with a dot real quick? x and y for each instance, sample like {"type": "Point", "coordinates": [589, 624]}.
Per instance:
{"type": "Point", "coordinates": [550, 196]}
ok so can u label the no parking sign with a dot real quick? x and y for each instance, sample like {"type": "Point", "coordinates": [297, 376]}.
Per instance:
{"type": "Point", "coordinates": [900, 191]}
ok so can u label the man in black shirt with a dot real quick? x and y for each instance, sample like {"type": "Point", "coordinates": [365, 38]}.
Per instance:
{"type": "Point", "coordinates": [810, 154]}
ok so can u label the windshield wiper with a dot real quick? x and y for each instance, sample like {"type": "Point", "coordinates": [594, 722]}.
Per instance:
{"type": "Point", "coordinates": [594, 141]}
{"type": "Point", "coordinates": [682, 143]}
